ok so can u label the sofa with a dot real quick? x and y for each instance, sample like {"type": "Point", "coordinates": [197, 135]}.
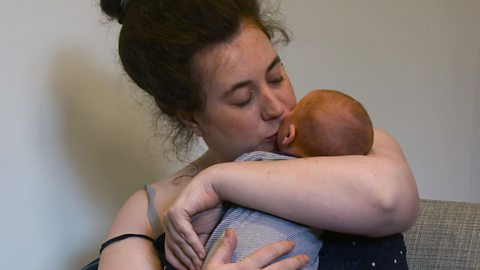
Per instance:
{"type": "Point", "coordinates": [445, 236]}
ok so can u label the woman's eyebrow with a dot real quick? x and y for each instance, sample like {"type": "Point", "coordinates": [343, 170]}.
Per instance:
{"type": "Point", "coordinates": [275, 61]}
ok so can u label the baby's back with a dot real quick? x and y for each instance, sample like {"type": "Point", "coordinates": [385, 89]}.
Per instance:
{"type": "Point", "coordinates": [256, 229]}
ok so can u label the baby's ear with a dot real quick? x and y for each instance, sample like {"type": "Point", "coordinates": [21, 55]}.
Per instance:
{"type": "Point", "coordinates": [290, 137]}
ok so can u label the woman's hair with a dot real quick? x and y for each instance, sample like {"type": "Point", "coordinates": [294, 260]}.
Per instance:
{"type": "Point", "coordinates": [160, 37]}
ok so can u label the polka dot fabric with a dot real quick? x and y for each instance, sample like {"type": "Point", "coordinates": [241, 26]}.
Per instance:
{"type": "Point", "coordinates": [344, 252]}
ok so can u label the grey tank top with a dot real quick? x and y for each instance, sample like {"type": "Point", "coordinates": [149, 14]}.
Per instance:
{"type": "Point", "coordinates": [152, 211]}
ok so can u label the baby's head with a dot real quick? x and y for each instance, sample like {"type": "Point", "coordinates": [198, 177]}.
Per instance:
{"type": "Point", "coordinates": [326, 123]}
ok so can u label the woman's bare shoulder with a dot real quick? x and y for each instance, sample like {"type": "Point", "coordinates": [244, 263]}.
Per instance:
{"type": "Point", "coordinates": [133, 218]}
{"type": "Point", "coordinates": [167, 189]}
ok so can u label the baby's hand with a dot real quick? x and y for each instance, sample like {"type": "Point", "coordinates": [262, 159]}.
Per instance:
{"type": "Point", "coordinates": [205, 222]}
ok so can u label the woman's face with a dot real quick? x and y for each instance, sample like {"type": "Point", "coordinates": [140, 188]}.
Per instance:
{"type": "Point", "coordinates": [246, 93]}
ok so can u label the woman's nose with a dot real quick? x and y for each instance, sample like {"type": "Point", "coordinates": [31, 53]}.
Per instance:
{"type": "Point", "coordinates": [272, 106]}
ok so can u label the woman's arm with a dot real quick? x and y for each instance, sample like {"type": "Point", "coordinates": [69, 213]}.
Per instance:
{"type": "Point", "coordinates": [137, 253]}
{"type": "Point", "coordinates": [131, 253]}
{"type": "Point", "coordinates": [373, 195]}
{"type": "Point", "coordinates": [140, 254]}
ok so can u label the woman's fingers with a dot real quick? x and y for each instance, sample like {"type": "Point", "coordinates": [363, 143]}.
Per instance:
{"type": "Point", "coordinates": [258, 260]}
{"type": "Point", "coordinates": [173, 251]}
{"type": "Point", "coordinates": [192, 245]}
{"type": "Point", "coordinates": [182, 239]}
{"type": "Point", "coordinates": [293, 263]}
{"type": "Point", "coordinates": [172, 259]}
{"type": "Point", "coordinates": [223, 254]}
{"type": "Point", "coordinates": [177, 258]}
{"type": "Point", "coordinates": [267, 254]}
{"type": "Point", "coordinates": [183, 234]}
{"type": "Point", "coordinates": [181, 251]}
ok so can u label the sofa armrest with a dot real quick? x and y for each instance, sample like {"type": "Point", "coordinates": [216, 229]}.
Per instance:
{"type": "Point", "coordinates": [445, 236]}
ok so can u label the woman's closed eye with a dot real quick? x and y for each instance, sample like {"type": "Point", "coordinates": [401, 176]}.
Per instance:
{"type": "Point", "coordinates": [243, 97]}
{"type": "Point", "coordinates": [277, 81]}
{"type": "Point", "coordinates": [276, 76]}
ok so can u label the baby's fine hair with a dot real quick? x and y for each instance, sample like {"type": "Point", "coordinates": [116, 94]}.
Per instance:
{"type": "Point", "coordinates": [332, 123]}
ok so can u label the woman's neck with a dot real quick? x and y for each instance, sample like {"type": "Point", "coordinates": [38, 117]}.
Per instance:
{"type": "Point", "coordinates": [206, 160]}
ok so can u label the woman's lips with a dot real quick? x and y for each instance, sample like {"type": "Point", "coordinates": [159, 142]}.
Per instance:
{"type": "Point", "coordinates": [269, 144]}
{"type": "Point", "coordinates": [272, 138]}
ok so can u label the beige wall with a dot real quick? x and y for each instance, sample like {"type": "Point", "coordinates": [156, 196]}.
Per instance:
{"type": "Point", "coordinates": [76, 137]}
{"type": "Point", "coordinates": [416, 67]}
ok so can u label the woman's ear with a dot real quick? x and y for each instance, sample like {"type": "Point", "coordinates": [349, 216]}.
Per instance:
{"type": "Point", "coordinates": [290, 137]}
{"type": "Point", "coordinates": [190, 121]}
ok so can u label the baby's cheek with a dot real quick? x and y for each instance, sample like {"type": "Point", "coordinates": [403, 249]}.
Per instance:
{"type": "Point", "coordinates": [280, 137]}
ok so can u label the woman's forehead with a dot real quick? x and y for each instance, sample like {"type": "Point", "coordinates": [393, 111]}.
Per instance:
{"type": "Point", "coordinates": [247, 55]}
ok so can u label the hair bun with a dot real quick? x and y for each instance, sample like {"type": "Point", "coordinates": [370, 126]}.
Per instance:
{"type": "Point", "coordinates": [113, 9]}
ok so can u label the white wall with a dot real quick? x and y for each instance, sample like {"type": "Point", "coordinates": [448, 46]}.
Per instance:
{"type": "Point", "coordinates": [76, 138]}
{"type": "Point", "coordinates": [415, 65]}
{"type": "Point", "coordinates": [75, 141]}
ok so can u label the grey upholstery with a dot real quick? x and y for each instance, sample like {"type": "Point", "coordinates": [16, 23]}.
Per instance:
{"type": "Point", "coordinates": [446, 236]}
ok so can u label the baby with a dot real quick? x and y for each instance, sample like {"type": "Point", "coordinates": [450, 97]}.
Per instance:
{"type": "Point", "coordinates": [324, 123]}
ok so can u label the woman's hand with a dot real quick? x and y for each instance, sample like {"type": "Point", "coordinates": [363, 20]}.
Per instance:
{"type": "Point", "coordinates": [258, 260]}
{"type": "Point", "coordinates": [203, 224]}
{"type": "Point", "coordinates": [195, 212]}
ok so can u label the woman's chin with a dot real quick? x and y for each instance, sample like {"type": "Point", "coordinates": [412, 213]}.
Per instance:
{"type": "Point", "coordinates": [267, 147]}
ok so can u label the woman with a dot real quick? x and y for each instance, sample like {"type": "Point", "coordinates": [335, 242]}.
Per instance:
{"type": "Point", "coordinates": [212, 70]}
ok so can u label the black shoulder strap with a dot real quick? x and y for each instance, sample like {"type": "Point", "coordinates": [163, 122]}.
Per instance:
{"type": "Point", "coordinates": [122, 237]}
